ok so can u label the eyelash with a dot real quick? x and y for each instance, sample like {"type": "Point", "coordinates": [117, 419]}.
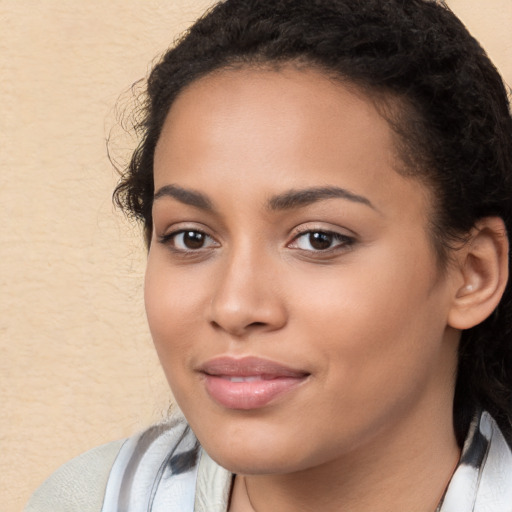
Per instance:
{"type": "Point", "coordinates": [343, 241]}
{"type": "Point", "coordinates": [170, 240]}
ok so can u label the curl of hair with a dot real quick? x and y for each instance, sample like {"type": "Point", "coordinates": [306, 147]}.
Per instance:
{"type": "Point", "coordinates": [449, 109]}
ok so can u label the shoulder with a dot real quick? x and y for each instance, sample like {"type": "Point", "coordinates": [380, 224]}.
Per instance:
{"type": "Point", "coordinates": [156, 469]}
{"type": "Point", "coordinates": [79, 485]}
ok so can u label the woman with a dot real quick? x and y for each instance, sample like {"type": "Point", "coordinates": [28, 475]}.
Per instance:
{"type": "Point", "coordinates": [326, 193]}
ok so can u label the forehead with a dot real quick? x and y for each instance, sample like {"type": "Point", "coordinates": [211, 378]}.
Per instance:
{"type": "Point", "coordinates": [279, 96]}
{"type": "Point", "coordinates": [300, 125]}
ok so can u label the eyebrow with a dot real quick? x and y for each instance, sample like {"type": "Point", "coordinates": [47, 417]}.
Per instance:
{"type": "Point", "coordinates": [304, 197]}
{"type": "Point", "coordinates": [185, 196]}
{"type": "Point", "coordinates": [289, 200]}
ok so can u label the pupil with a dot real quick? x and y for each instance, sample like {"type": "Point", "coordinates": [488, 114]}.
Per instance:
{"type": "Point", "coordinates": [193, 239]}
{"type": "Point", "coordinates": [320, 240]}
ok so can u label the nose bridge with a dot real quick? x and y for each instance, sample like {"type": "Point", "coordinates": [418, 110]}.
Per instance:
{"type": "Point", "coordinates": [246, 296]}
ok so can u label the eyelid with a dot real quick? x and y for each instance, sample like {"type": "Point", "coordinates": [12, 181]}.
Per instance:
{"type": "Point", "coordinates": [345, 240]}
{"type": "Point", "coordinates": [171, 233]}
{"type": "Point", "coordinates": [173, 228]}
{"type": "Point", "coordinates": [322, 227]}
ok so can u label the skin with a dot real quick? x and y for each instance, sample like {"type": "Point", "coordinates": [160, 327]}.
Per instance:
{"type": "Point", "coordinates": [367, 319]}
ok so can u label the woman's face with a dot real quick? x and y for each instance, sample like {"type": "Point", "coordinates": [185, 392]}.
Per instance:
{"type": "Point", "coordinates": [292, 290]}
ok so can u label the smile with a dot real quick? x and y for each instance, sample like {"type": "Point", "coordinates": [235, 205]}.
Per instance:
{"type": "Point", "coordinates": [248, 383]}
{"type": "Point", "coordinates": [244, 379]}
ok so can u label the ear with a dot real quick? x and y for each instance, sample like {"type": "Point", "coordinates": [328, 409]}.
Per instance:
{"type": "Point", "coordinates": [483, 267]}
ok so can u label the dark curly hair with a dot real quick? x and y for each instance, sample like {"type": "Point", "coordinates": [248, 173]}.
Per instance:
{"type": "Point", "coordinates": [453, 123]}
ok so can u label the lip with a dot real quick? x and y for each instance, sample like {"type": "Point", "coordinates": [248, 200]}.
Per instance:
{"type": "Point", "coordinates": [249, 382]}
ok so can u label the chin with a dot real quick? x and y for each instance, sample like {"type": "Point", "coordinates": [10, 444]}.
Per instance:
{"type": "Point", "coordinates": [261, 451]}
{"type": "Point", "coordinates": [254, 462]}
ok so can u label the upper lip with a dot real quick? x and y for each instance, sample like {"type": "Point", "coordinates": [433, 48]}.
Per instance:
{"type": "Point", "coordinates": [249, 366]}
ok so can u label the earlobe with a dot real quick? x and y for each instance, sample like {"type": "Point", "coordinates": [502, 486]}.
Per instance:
{"type": "Point", "coordinates": [483, 264]}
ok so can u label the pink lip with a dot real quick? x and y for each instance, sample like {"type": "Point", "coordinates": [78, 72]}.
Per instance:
{"type": "Point", "coordinates": [249, 382]}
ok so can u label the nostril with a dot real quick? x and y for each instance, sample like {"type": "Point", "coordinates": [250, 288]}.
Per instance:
{"type": "Point", "coordinates": [215, 325]}
{"type": "Point", "coordinates": [239, 312]}
{"type": "Point", "coordinates": [238, 330]}
{"type": "Point", "coordinates": [257, 324]}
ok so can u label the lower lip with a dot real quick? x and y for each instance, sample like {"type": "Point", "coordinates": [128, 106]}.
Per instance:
{"type": "Point", "coordinates": [249, 395]}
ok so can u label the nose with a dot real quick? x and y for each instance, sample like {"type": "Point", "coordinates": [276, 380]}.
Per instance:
{"type": "Point", "coordinates": [247, 297]}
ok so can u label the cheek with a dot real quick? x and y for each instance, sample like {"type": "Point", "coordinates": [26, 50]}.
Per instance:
{"type": "Point", "coordinates": [174, 305]}
{"type": "Point", "coordinates": [375, 317]}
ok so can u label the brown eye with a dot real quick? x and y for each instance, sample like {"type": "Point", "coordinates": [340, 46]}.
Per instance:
{"type": "Point", "coordinates": [320, 241]}
{"type": "Point", "coordinates": [317, 241]}
{"type": "Point", "coordinates": [193, 239]}
{"type": "Point", "coordinates": [188, 240]}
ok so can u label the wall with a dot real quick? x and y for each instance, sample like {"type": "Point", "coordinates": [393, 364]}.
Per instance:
{"type": "Point", "coordinates": [76, 363]}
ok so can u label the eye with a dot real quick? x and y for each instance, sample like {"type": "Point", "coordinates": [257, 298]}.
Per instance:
{"type": "Point", "coordinates": [187, 240]}
{"type": "Point", "coordinates": [320, 241]}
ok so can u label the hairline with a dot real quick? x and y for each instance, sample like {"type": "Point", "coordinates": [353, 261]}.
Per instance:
{"type": "Point", "coordinates": [396, 109]}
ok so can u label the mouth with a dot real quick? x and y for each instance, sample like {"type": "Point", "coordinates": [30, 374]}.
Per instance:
{"type": "Point", "coordinates": [254, 378]}
{"type": "Point", "coordinates": [250, 382]}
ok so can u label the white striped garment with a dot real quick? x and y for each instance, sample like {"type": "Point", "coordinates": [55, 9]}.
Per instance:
{"type": "Point", "coordinates": [164, 469]}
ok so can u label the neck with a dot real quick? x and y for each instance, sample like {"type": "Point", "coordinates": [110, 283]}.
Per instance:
{"type": "Point", "coordinates": [407, 468]}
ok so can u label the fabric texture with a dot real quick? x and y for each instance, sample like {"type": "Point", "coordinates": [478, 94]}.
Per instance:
{"type": "Point", "coordinates": [482, 481]}
{"type": "Point", "coordinates": [79, 485]}
{"type": "Point", "coordinates": [164, 469]}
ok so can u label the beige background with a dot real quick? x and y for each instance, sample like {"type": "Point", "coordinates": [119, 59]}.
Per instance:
{"type": "Point", "coordinates": [76, 364]}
